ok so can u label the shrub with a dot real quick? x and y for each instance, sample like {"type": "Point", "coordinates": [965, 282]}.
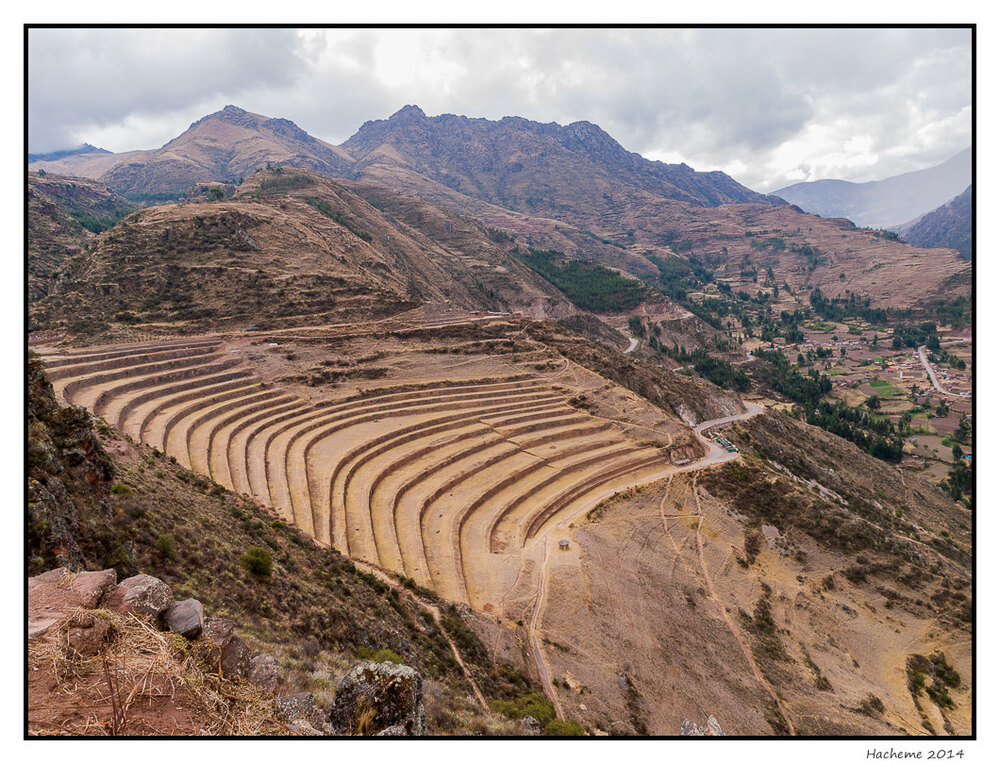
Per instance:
{"type": "Point", "coordinates": [120, 489]}
{"type": "Point", "coordinates": [563, 728]}
{"type": "Point", "coordinates": [534, 704]}
{"type": "Point", "coordinates": [379, 656]}
{"type": "Point", "coordinates": [257, 562]}
{"type": "Point", "coordinates": [165, 546]}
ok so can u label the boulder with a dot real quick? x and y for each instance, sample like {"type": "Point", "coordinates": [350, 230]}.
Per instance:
{"type": "Point", "coordinates": [264, 672]}
{"type": "Point", "coordinates": [186, 618]}
{"type": "Point", "coordinates": [142, 594]}
{"type": "Point", "coordinates": [91, 586]}
{"type": "Point", "coordinates": [300, 706]}
{"type": "Point", "coordinates": [690, 729]}
{"type": "Point", "coordinates": [228, 654]}
{"type": "Point", "coordinates": [53, 576]}
{"type": "Point", "coordinates": [379, 695]}
{"type": "Point", "coordinates": [711, 729]}
{"type": "Point", "coordinates": [86, 635]}
{"type": "Point", "coordinates": [396, 730]}
{"type": "Point", "coordinates": [714, 729]}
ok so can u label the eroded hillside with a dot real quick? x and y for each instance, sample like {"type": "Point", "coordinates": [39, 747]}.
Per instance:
{"type": "Point", "coordinates": [290, 246]}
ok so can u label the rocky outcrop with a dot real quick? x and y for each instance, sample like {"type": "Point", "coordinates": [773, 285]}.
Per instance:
{"type": "Point", "coordinates": [264, 672]}
{"type": "Point", "coordinates": [86, 634]}
{"type": "Point", "coordinates": [186, 618]}
{"type": "Point", "coordinates": [69, 479]}
{"type": "Point", "coordinates": [375, 696]}
{"type": "Point", "coordinates": [228, 653]}
{"type": "Point", "coordinates": [711, 729]}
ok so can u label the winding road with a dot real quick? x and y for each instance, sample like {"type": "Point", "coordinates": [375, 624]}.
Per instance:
{"type": "Point", "coordinates": [633, 343]}
{"type": "Point", "coordinates": [922, 352]}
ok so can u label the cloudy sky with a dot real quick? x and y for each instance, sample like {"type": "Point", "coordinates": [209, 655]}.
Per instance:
{"type": "Point", "coordinates": [769, 107]}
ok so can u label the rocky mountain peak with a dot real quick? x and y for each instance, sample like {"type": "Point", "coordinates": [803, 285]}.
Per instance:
{"type": "Point", "coordinates": [589, 137]}
{"type": "Point", "coordinates": [232, 115]}
{"type": "Point", "coordinates": [408, 113]}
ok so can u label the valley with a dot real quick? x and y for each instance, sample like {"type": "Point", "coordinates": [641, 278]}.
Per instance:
{"type": "Point", "coordinates": [615, 439]}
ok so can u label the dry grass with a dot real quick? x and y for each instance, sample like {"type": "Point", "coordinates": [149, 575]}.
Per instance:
{"type": "Point", "coordinates": [142, 667]}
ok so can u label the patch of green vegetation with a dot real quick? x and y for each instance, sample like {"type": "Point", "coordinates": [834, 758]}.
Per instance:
{"type": "Point", "coordinates": [379, 656]}
{"type": "Point", "coordinates": [822, 326]}
{"type": "Point", "coordinates": [942, 676]}
{"type": "Point", "coordinates": [120, 489]}
{"type": "Point", "coordinates": [280, 181]}
{"type": "Point", "coordinates": [96, 223]}
{"type": "Point", "coordinates": [587, 285]}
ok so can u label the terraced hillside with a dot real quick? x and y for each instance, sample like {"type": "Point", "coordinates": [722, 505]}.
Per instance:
{"type": "Point", "coordinates": [452, 480]}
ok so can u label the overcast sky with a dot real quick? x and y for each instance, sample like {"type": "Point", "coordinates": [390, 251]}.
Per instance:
{"type": "Point", "coordinates": [769, 107]}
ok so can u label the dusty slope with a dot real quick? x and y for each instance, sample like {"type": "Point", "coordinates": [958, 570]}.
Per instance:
{"type": "Point", "coordinates": [704, 593]}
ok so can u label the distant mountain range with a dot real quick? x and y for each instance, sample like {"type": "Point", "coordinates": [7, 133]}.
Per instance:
{"type": "Point", "coordinates": [513, 162]}
{"type": "Point", "coordinates": [86, 148]}
{"type": "Point", "coordinates": [950, 225]}
{"type": "Point", "coordinates": [888, 202]}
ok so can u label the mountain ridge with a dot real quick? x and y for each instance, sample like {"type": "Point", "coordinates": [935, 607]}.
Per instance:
{"type": "Point", "coordinates": [950, 225]}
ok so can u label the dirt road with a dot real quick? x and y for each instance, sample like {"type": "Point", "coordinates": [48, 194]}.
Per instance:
{"type": "Point", "coordinates": [633, 343]}
{"type": "Point", "coordinates": [922, 352]}
{"type": "Point", "coordinates": [716, 453]}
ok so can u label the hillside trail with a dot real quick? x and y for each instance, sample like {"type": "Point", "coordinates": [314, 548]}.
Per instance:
{"type": "Point", "coordinates": [716, 455]}
{"type": "Point", "coordinates": [435, 611]}
{"type": "Point", "coordinates": [710, 587]}
{"type": "Point", "coordinates": [543, 668]}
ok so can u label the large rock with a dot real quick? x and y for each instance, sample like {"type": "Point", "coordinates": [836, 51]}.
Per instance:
{"type": "Point", "coordinates": [300, 706]}
{"type": "Point", "coordinates": [374, 696]}
{"type": "Point", "coordinates": [228, 653]}
{"type": "Point", "coordinates": [264, 672]}
{"type": "Point", "coordinates": [55, 593]}
{"type": "Point", "coordinates": [86, 635]}
{"type": "Point", "coordinates": [302, 728]}
{"type": "Point", "coordinates": [142, 594]}
{"type": "Point", "coordinates": [186, 618]}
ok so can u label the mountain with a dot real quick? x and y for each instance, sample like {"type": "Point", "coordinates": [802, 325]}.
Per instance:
{"type": "Point", "coordinates": [569, 171]}
{"type": "Point", "coordinates": [950, 225]}
{"type": "Point", "coordinates": [888, 202]}
{"type": "Point", "coordinates": [224, 146]}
